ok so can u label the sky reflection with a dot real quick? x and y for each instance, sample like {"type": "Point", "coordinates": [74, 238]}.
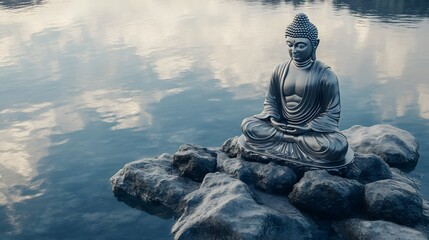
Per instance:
{"type": "Point", "coordinates": [90, 85]}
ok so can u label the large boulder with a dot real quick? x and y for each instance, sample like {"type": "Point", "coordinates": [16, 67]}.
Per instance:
{"type": "Point", "coordinates": [225, 208]}
{"type": "Point", "coordinates": [153, 181]}
{"type": "Point", "coordinates": [367, 168]}
{"type": "Point", "coordinates": [393, 201]}
{"type": "Point", "coordinates": [378, 230]}
{"type": "Point", "coordinates": [327, 195]}
{"type": "Point", "coordinates": [395, 146]}
{"type": "Point", "coordinates": [194, 161]}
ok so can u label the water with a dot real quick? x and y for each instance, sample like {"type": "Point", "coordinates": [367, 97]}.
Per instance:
{"type": "Point", "coordinates": [87, 86]}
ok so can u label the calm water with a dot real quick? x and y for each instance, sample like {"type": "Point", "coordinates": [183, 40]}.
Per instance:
{"type": "Point", "coordinates": [87, 86]}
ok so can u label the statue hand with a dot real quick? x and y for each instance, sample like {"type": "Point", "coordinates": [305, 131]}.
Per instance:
{"type": "Point", "coordinates": [297, 130]}
{"type": "Point", "coordinates": [278, 125]}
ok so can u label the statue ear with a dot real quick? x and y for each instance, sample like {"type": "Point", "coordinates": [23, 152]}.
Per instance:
{"type": "Point", "coordinates": [317, 42]}
{"type": "Point", "coordinates": [313, 55]}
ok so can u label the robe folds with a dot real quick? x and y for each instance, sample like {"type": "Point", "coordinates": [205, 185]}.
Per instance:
{"type": "Point", "coordinates": [319, 109]}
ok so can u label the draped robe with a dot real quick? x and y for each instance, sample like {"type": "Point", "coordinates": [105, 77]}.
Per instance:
{"type": "Point", "coordinates": [319, 109]}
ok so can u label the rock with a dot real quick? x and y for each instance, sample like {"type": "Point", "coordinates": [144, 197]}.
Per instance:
{"type": "Point", "coordinates": [326, 195]}
{"type": "Point", "coordinates": [231, 147]}
{"type": "Point", "coordinates": [277, 179]}
{"type": "Point", "coordinates": [154, 181]}
{"type": "Point", "coordinates": [396, 147]}
{"type": "Point", "coordinates": [400, 176]}
{"type": "Point", "coordinates": [380, 230]}
{"type": "Point", "coordinates": [368, 168]}
{"type": "Point", "coordinates": [243, 170]}
{"type": "Point", "coordinates": [225, 208]}
{"type": "Point", "coordinates": [393, 201]}
{"type": "Point", "coordinates": [194, 161]}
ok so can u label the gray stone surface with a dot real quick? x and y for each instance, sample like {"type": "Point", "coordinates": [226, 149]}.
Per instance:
{"type": "Point", "coordinates": [277, 179]}
{"type": "Point", "coordinates": [154, 181]}
{"type": "Point", "coordinates": [194, 161]}
{"type": "Point", "coordinates": [401, 176]}
{"type": "Point", "coordinates": [359, 229]}
{"type": "Point", "coordinates": [326, 195]}
{"type": "Point", "coordinates": [393, 201]}
{"type": "Point", "coordinates": [368, 168]}
{"type": "Point", "coordinates": [225, 208]}
{"type": "Point", "coordinates": [243, 170]}
{"type": "Point", "coordinates": [395, 146]}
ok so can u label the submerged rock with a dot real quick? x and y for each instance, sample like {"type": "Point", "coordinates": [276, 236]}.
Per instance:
{"type": "Point", "coordinates": [326, 195]}
{"type": "Point", "coordinates": [393, 201]}
{"type": "Point", "coordinates": [225, 208]}
{"type": "Point", "coordinates": [194, 161]}
{"type": "Point", "coordinates": [395, 146]}
{"type": "Point", "coordinates": [380, 230]}
{"type": "Point", "coordinates": [154, 181]}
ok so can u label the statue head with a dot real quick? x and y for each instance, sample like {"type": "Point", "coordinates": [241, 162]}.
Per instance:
{"type": "Point", "coordinates": [302, 37]}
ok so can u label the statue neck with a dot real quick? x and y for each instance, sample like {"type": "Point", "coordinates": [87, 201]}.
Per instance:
{"type": "Point", "coordinates": [303, 65]}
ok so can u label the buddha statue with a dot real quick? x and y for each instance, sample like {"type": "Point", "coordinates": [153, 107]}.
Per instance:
{"type": "Point", "coordinates": [299, 122]}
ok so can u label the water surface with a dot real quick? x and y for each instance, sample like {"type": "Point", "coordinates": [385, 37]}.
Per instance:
{"type": "Point", "coordinates": [87, 86]}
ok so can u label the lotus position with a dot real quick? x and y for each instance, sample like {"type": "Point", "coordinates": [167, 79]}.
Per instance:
{"type": "Point", "coordinates": [301, 108]}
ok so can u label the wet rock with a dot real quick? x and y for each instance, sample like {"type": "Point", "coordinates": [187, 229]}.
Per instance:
{"type": "Point", "coordinates": [195, 162]}
{"type": "Point", "coordinates": [153, 181]}
{"type": "Point", "coordinates": [368, 168]}
{"type": "Point", "coordinates": [326, 195]}
{"type": "Point", "coordinates": [276, 179]}
{"type": "Point", "coordinates": [225, 208]}
{"type": "Point", "coordinates": [393, 201]}
{"type": "Point", "coordinates": [380, 230]}
{"type": "Point", "coordinates": [395, 146]}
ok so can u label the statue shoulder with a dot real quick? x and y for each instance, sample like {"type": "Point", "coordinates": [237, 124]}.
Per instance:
{"type": "Point", "coordinates": [278, 70]}
{"type": "Point", "coordinates": [329, 75]}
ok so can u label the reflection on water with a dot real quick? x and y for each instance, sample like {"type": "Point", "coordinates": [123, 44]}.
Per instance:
{"type": "Point", "coordinates": [87, 88]}
{"type": "Point", "coordinates": [15, 4]}
{"type": "Point", "coordinates": [388, 10]}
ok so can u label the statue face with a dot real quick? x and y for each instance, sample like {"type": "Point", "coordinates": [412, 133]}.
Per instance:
{"type": "Point", "coordinates": [300, 49]}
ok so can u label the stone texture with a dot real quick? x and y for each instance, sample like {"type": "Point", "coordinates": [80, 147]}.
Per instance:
{"type": "Point", "coordinates": [231, 147]}
{"type": "Point", "coordinates": [396, 147]}
{"type": "Point", "coordinates": [225, 208]}
{"type": "Point", "coordinates": [194, 161]}
{"type": "Point", "coordinates": [243, 170]}
{"type": "Point", "coordinates": [276, 179]}
{"type": "Point", "coordinates": [393, 201]}
{"type": "Point", "coordinates": [326, 195]}
{"type": "Point", "coordinates": [400, 176]}
{"type": "Point", "coordinates": [154, 181]}
{"type": "Point", "coordinates": [377, 230]}
{"type": "Point", "coordinates": [368, 168]}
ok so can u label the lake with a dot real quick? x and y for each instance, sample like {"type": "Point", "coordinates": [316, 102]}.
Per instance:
{"type": "Point", "coordinates": [87, 86]}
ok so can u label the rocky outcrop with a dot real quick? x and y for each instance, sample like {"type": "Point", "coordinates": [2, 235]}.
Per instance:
{"type": "Point", "coordinates": [367, 168]}
{"type": "Point", "coordinates": [229, 193]}
{"type": "Point", "coordinates": [396, 147]}
{"type": "Point", "coordinates": [153, 181]}
{"type": "Point", "coordinates": [194, 161]}
{"type": "Point", "coordinates": [225, 207]}
{"type": "Point", "coordinates": [394, 201]}
{"type": "Point", "coordinates": [326, 195]}
{"type": "Point", "coordinates": [380, 230]}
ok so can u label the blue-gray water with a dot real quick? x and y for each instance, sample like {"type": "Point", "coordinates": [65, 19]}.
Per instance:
{"type": "Point", "coordinates": [87, 86]}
